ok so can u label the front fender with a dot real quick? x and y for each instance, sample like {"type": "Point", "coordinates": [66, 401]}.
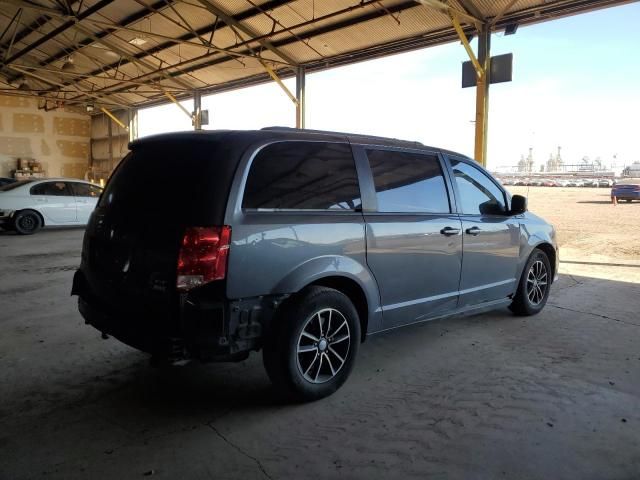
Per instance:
{"type": "Point", "coordinates": [534, 234]}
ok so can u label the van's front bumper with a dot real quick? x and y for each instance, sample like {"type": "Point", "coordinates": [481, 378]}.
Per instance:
{"type": "Point", "coordinates": [204, 326]}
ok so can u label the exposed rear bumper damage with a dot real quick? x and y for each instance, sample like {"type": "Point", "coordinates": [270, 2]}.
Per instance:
{"type": "Point", "coordinates": [202, 329]}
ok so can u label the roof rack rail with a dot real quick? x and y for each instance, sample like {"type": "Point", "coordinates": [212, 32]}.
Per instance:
{"type": "Point", "coordinates": [354, 135]}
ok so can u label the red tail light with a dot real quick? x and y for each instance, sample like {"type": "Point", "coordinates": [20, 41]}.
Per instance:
{"type": "Point", "coordinates": [203, 256]}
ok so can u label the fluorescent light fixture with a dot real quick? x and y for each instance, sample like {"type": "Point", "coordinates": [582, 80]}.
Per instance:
{"type": "Point", "coordinates": [137, 41]}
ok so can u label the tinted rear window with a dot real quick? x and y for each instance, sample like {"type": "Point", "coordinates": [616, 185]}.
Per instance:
{"type": "Point", "coordinates": [180, 182]}
{"type": "Point", "coordinates": [56, 189]}
{"type": "Point", "coordinates": [85, 190]}
{"type": "Point", "coordinates": [303, 176]}
{"type": "Point", "coordinates": [408, 182]}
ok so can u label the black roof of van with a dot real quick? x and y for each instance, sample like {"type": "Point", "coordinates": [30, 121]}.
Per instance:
{"type": "Point", "coordinates": [250, 136]}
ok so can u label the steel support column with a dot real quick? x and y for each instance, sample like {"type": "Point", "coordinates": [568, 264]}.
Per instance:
{"type": "Point", "coordinates": [133, 124]}
{"type": "Point", "coordinates": [482, 95]}
{"type": "Point", "coordinates": [300, 94]}
{"type": "Point", "coordinates": [197, 110]}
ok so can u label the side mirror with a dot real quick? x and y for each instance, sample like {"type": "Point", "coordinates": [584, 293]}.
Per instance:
{"type": "Point", "coordinates": [518, 205]}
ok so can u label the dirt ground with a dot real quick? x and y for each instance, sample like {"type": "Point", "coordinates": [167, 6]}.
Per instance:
{"type": "Point", "coordinates": [492, 396]}
{"type": "Point", "coordinates": [589, 226]}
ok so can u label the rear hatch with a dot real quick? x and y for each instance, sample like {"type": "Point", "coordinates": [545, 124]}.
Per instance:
{"type": "Point", "coordinates": [163, 186]}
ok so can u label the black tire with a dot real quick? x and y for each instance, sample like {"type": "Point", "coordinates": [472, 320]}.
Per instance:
{"type": "Point", "coordinates": [27, 222]}
{"type": "Point", "coordinates": [532, 295]}
{"type": "Point", "coordinates": [629, 200]}
{"type": "Point", "coordinates": [292, 371]}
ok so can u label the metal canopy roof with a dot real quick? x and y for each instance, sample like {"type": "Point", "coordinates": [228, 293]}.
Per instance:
{"type": "Point", "coordinates": [126, 53]}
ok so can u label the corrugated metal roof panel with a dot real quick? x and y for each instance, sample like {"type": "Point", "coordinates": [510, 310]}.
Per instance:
{"type": "Point", "coordinates": [314, 33]}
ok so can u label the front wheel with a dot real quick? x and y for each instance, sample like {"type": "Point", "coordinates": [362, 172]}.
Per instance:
{"type": "Point", "coordinates": [311, 347]}
{"type": "Point", "coordinates": [533, 289]}
{"type": "Point", "coordinates": [27, 222]}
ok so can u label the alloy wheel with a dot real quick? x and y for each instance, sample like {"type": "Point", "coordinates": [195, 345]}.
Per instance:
{"type": "Point", "coordinates": [323, 345]}
{"type": "Point", "coordinates": [537, 282]}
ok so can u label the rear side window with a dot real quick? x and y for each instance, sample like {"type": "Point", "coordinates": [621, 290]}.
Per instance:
{"type": "Point", "coordinates": [51, 188]}
{"type": "Point", "coordinates": [303, 176]}
{"type": "Point", "coordinates": [408, 182]}
{"type": "Point", "coordinates": [479, 195]}
{"type": "Point", "coordinates": [86, 190]}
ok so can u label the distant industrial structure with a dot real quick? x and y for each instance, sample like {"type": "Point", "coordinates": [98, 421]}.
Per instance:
{"type": "Point", "coordinates": [632, 170]}
{"type": "Point", "coordinates": [556, 166]}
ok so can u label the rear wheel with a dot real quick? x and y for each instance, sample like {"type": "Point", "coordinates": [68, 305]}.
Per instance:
{"type": "Point", "coordinates": [312, 345]}
{"type": "Point", "coordinates": [533, 289]}
{"type": "Point", "coordinates": [629, 200]}
{"type": "Point", "coordinates": [27, 222]}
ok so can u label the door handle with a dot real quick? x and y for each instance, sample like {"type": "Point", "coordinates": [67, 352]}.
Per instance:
{"type": "Point", "coordinates": [473, 231]}
{"type": "Point", "coordinates": [450, 231]}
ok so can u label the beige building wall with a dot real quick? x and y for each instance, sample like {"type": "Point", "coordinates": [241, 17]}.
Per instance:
{"type": "Point", "coordinates": [59, 139]}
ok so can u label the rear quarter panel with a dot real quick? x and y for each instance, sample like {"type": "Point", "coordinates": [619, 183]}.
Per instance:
{"type": "Point", "coordinates": [280, 252]}
{"type": "Point", "coordinates": [20, 199]}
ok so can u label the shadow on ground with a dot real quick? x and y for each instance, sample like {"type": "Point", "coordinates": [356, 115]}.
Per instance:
{"type": "Point", "coordinates": [483, 397]}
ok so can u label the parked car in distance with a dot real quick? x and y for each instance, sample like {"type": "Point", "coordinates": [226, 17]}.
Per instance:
{"type": "Point", "coordinates": [627, 190]}
{"type": "Point", "coordinates": [28, 205]}
{"type": "Point", "coordinates": [6, 181]}
{"type": "Point", "coordinates": [301, 243]}
{"type": "Point", "coordinates": [605, 182]}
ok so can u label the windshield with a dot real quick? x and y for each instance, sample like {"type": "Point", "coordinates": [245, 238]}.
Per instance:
{"type": "Point", "coordinates": [13, 185]}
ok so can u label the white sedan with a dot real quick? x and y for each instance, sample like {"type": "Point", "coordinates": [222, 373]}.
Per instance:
{"type": "Point", "coordinates": [28, 205]}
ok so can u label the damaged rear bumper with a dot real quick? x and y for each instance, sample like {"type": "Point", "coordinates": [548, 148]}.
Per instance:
{"type": "Point", "coordinates": [203, 326]}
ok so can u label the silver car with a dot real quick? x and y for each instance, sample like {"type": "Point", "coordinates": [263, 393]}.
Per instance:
{"type": "Point", "coordinates": [301, 244]}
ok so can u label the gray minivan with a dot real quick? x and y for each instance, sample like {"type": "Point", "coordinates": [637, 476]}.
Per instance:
{"type": "Point", "coordinates": [208, 245]}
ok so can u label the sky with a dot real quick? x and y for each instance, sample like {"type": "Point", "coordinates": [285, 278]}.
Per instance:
{"type": "Point", "coordinates": [575, 85]}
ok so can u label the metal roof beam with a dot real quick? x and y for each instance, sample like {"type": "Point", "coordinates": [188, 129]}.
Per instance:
{"type": "Point", "coordinates": [506, 9]}
{"type": "Point", "coordinates": [125, 54]}
{"type": "Point", "coordinates": [472, 9]}
{"type": "Point", "coordinates": [33, 26]}
{"type": "Point", "coordinates": [88, 41]}
{"type": "Point", "coordinates": [16, 17]}
{"type": "Point", "coordinates": [231, 22]}
{"type": "Point", "coordinates": [303, 36]}
{"type": "Point", "coordinates": [277, 79]}
{"type": "Point", "coordinates": [31, 62]}
{"type": "Point", "coordinates": [34, 6]}
{"type": "Point", "coordinates": [53, 82]}
{"type": "Point", "coordinates": [250, 13]}
{"type": "Point", "coordinates": [13, 19]}
{"type": "Point", "coordinates": [449, 10]}
{"type": "Point", "coordinates": [57, 31]}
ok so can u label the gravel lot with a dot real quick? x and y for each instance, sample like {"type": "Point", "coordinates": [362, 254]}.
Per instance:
{"type": "Point", "coordinates": [554, 396]}
{"type": "Point", "coordinates": [587, 222]}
